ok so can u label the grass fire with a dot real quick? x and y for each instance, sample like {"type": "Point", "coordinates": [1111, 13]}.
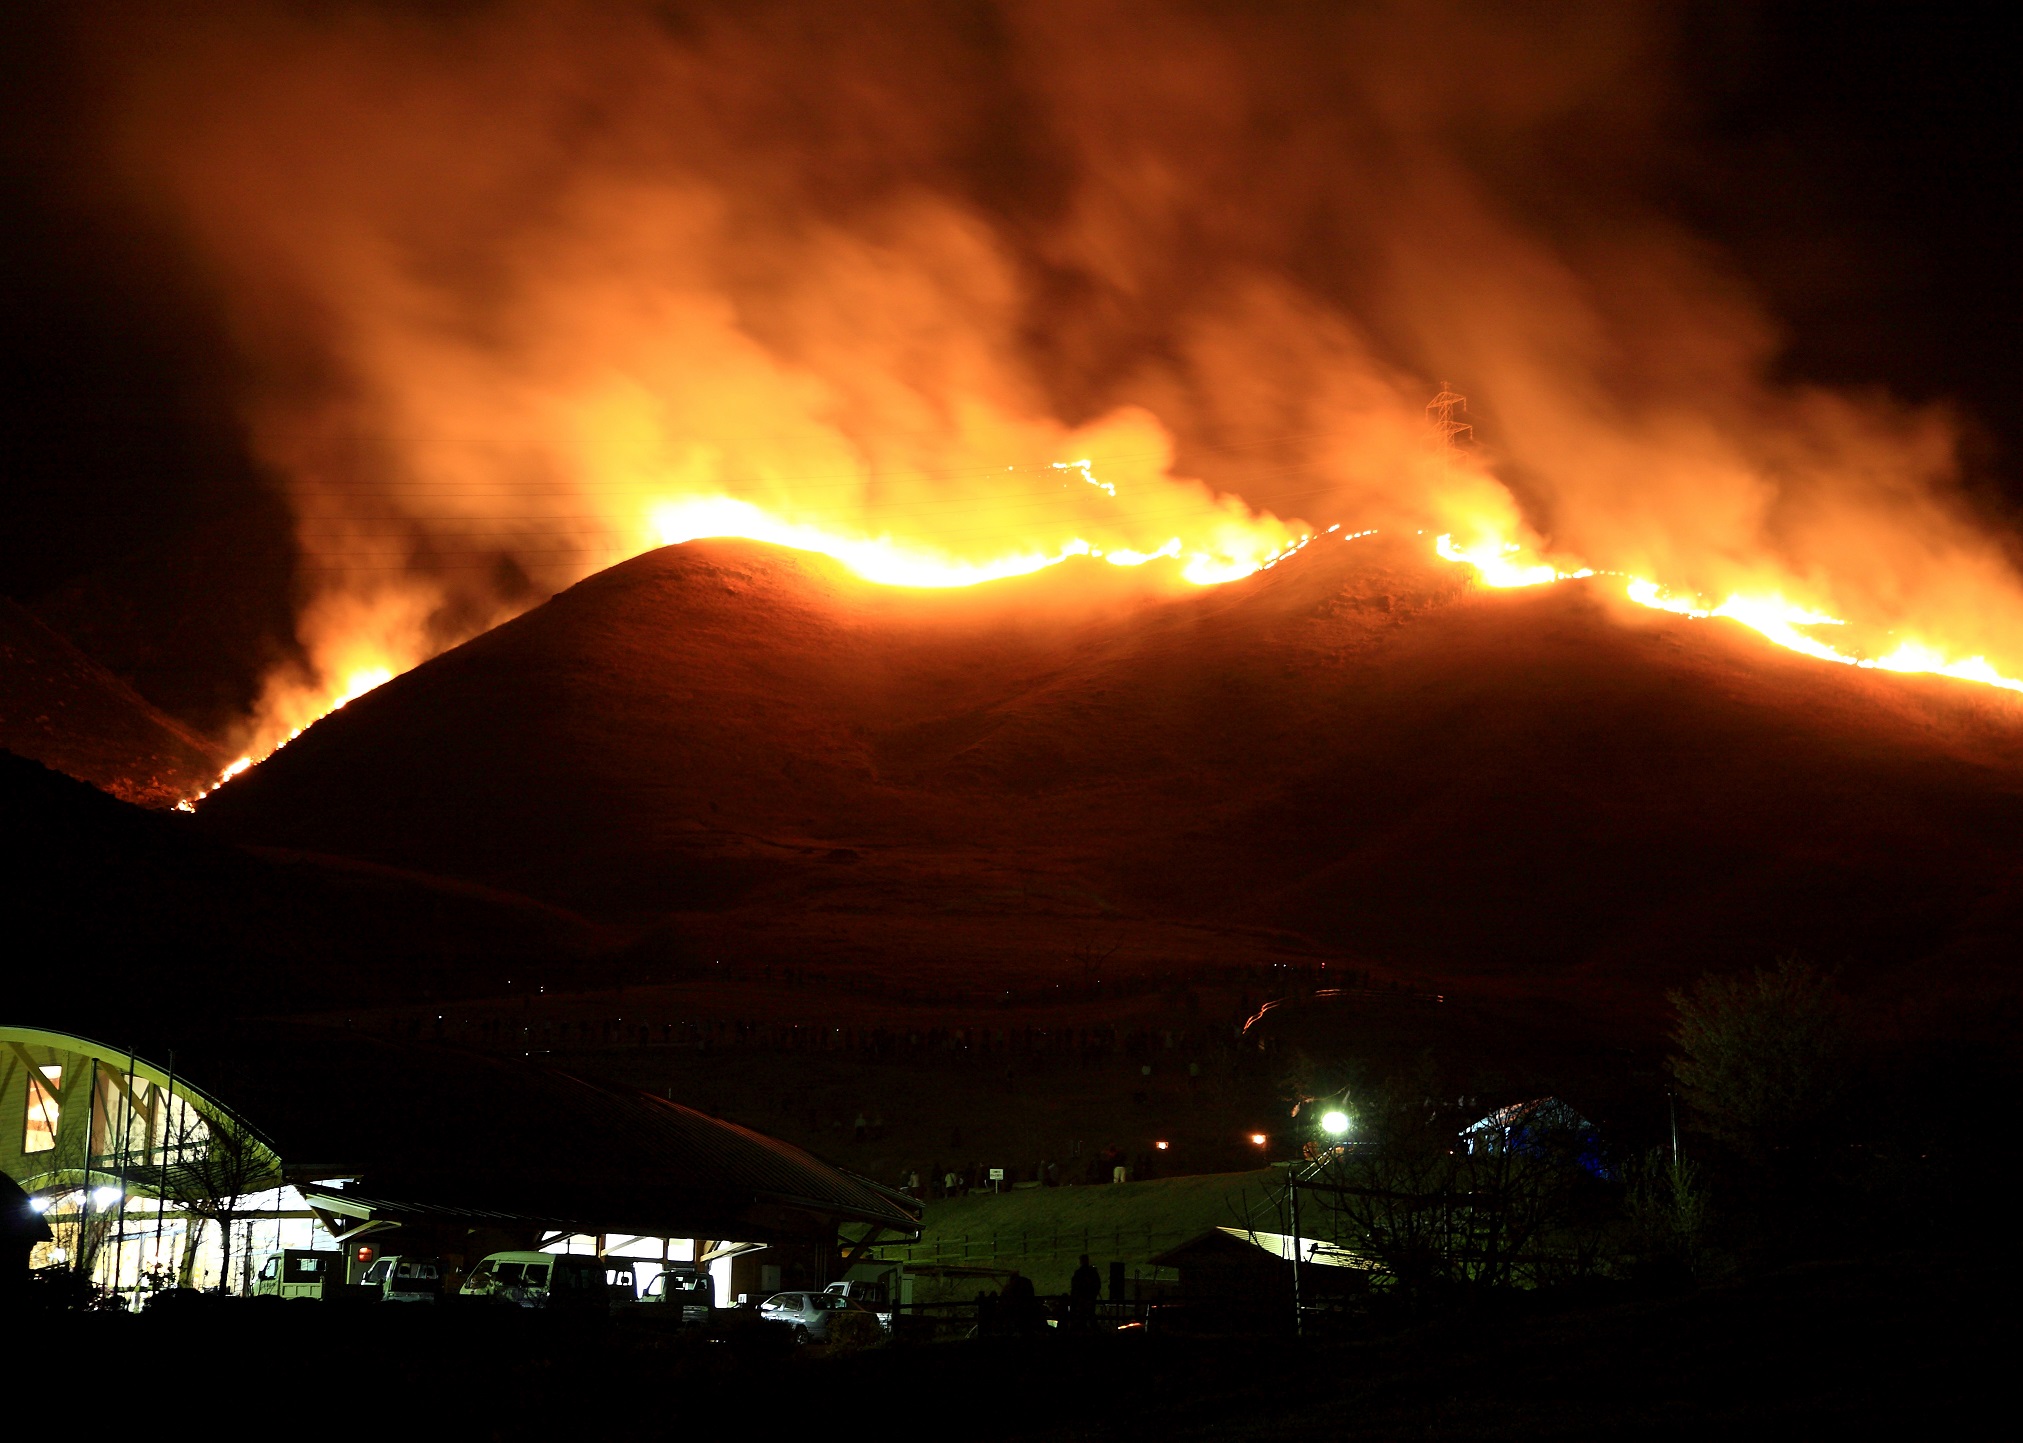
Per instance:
{"type": "Point", "coordinates": [1063, 720]}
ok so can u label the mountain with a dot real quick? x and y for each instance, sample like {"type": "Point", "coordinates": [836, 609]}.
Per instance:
{"type": "Point", "coordinates": [117, 914]}
{"type": "Point", "coordinates": [59, 706]}
{"type": "Point", "coordinates": [1354, 753]}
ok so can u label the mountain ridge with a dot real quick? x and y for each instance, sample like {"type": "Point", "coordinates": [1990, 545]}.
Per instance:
{"type": "Point", "coordinates": [1355, 747]}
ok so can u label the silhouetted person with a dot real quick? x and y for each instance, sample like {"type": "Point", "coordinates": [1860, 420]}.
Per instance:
{"type": "Point", "coordinates": [21, 1228]}
{"type": "Point", "coordinates": [1083, 1290]}
{"type": "Point", "coordinates": [1020, 1305]}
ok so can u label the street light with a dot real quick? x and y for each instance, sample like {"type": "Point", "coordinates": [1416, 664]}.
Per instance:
{"type": "Point", "coordinates": [1335, 1123]}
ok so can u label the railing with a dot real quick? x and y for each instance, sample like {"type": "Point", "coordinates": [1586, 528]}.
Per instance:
{"type": "Point", "coordinates": [950, 1322]}
{"type": "Point", "coordinates": [992, 1249]}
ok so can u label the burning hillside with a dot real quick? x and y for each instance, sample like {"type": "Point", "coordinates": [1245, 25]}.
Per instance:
{"type": "Point", "coordinates": [524, 289]}
{"type": "Point", "coordinates": [1354, 744]}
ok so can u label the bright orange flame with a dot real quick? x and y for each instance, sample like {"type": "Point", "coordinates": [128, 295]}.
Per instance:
{"type": "Point", "coordinates": [367, 642]}
{"type": "Point", "coordinates": [354, 686]}
{"type": "Point", "coordinates": [891, 562]}
{"type": "Point", "coordinates": [1231, 541]}
{"type": "Point", "coordinates": [1505, 564]}
{"type": "Point", "coordinates": [754, 299]}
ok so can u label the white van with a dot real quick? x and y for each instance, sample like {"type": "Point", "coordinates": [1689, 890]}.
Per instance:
{"type": "Point", "coordinates": [549, 1280]}
{"type": "Point", "coordinates": [405, 1280]}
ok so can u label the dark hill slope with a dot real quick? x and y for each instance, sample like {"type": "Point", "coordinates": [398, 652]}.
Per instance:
{"type": "Point", "coordinates": [116, 914]}
{"type": "Point", "coordinates": [1353, 746]}
{"type": "Point", "coordinates": [62, 708]}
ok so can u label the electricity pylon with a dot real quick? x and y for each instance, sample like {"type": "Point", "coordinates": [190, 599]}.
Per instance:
{"type": "Point", "coordinates": [1448, 432]}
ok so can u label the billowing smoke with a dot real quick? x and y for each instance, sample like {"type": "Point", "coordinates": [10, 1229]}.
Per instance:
{"type": "Point", "coordinates": [526, 288]}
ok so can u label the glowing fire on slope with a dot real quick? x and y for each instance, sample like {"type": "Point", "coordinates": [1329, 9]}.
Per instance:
{"type": "Point", "coordinates": [1238, 543]}
{"type": "Point", "coordinates": [1245, 543]}
{"type": "Point", "coordinates": [1503, 564]}
{"type": "Point", "coordinates": [356, 685]}
{"type": "Point", "coordinates": [1241, 542]}
{"type": "Point", "coordinates": [896, 563]}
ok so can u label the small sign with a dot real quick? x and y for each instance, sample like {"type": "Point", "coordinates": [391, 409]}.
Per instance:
{"type": "Point", "coordinates": [997, 1174]}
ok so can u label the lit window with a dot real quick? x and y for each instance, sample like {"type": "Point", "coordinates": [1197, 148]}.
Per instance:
{"type": "Point", "coordinates": [42, 1109]}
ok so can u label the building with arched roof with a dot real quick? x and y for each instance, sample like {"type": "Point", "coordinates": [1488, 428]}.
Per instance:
{"type": "Point", "coordinates": [178, 1165]}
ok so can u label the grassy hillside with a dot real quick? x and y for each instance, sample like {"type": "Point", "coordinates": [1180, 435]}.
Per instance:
{"type": "Point", "coordinates": [1043, 1231]}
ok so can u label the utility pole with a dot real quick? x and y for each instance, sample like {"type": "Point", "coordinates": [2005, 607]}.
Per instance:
{"type": "Point", "coordinates": [1299, 1318]}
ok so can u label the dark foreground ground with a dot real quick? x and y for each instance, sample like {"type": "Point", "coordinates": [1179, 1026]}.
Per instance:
{"type": "Point", "coordinates": [1901, 1346]}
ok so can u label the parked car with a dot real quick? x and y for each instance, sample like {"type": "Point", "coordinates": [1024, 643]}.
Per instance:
{"type": "Point", "coordinates": [405, 1279]}
{"type": "Point", "coordinates": [874, 1296]}
{"type": "Point", "coordinates": [297, 1273]}
{"type": "Point", "coordinates": [814, 1317]}
{"type": "Point", "coordinates": [683, 1293]}
{"type": "Point", "coordinates": [546, 1280]}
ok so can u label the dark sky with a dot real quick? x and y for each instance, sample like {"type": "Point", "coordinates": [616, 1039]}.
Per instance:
{"type": "Point", "coordinates": [1858, 163]}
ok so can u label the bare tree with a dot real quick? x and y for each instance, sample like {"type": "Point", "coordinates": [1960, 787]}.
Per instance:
{"type": "Point", "coordinates": [1436, 1210]}
{"type": "Point", "coordinates": [1667, 1206]}
{"type": "Point", "coordinates": [212, 1162]}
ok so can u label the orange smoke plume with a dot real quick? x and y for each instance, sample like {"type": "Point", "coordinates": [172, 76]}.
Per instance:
{"type": "Point", "coordinates": [953, 293]}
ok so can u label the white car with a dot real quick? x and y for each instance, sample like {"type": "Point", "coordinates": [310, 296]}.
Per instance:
{"type": "Point", "coordinates": [875, 1296]}
{"type": "Point", "coordinates": [811, 1315]}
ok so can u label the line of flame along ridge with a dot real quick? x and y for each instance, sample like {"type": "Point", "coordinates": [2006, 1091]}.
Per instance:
{"type": "Point", "coordinates": [1497, 564]}
{"type": "Point", "coordinates": [1503, 564]}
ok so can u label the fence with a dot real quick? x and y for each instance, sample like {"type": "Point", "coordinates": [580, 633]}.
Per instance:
{"type": "Point", "coordinates": [1020, 1248]}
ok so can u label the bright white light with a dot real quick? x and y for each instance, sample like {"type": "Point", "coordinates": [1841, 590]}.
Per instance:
{"type": "Point", "coordinates": [1334, 1124]}
{"type": "Point", "coordinates": [1258, 1138]}
{"type": "Point", "coordinates": [104, 1197]}
{"type": "Point", "coordinates": [40, 1204]}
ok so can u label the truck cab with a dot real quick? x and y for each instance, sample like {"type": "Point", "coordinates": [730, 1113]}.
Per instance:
{"type": "Point", "coordinates": [682, 1292]}
{"type": "Point", "coordinates": [297, 1273]}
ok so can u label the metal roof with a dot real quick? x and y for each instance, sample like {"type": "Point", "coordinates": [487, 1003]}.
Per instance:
{"type": "Point", "coordinates": [432, 1130]}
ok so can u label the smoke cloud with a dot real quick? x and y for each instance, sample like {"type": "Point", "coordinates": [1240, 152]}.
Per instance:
{"type": "Point", "coordinates": [526, 288]}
